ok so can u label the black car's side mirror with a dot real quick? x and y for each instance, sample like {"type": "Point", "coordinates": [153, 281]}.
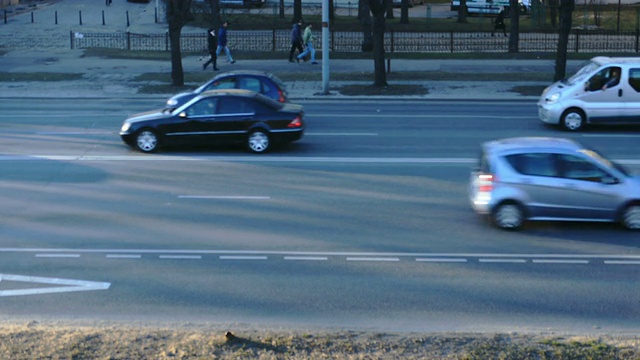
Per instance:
{"type": "Point", "coordinates": [183, 115]}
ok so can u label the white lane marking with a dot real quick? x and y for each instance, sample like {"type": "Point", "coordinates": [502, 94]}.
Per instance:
{"type": "Point", "coordinates": [621, 262]}
{"type": "Point", "coordinates": [259, 159]}
{"type": "Point", "coordinates": [611, 135]}
{"type": "Point", "coordinates": [123, 256]}
{"type": "Point", "coordinates": [515, 261]}
{"type": "Point", "coordinates": [227, 257]}
{"type": "Point", "coordinates": [215, 197]}
{"type": "Point", "coordinates": [441, 260]}
{"type": "Point", "coordinates": [181, 257]}
{"type": "Point", "coordinates": [630, 257]}
{"type": "Point", "coordinates": [418, 116]}
{"type": "Point", "coordinates": [75, 132]}
{"type": "Point", "coordinates": [58, 255]}
{"type": "Point", "coordinates": [341, 134]}
{"type": "Point", "coordinates": [551, 261]}
{"type": "Point", "coordinates": [310, 258]}
{"type": "Point", "coordinates": [372, 259]}
{"type": "Point", "coordinates": [69, 285]}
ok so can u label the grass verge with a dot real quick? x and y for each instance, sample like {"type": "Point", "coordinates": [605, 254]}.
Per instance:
{"type": "Point", "coordinates": [56, 341]}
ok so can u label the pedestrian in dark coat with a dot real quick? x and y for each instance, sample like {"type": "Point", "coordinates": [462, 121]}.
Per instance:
{"type": "Point", "coordinates": [296, 40]}
{"type": "Point", "coordinates": [499, 23]}
{"type": "Point", "coordinates": [212, 44]}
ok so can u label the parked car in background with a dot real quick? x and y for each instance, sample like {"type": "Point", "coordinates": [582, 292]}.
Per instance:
{"type": "Point", "coordinates": [217, 117]}
{"type": "Point", "coordinates": [604, 91]}
{"type": "Point", "coordinates": [411, 3]}
{"type": "Point", "coordinates": [261, 82]}
{"type": "Point", "coordinates": [530, 178]}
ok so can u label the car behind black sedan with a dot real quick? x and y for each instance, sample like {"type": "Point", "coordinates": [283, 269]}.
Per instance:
{"type": "Point", "coordinates": [217, 117]}
{"type": "Point", "coordinates": [261, 82]}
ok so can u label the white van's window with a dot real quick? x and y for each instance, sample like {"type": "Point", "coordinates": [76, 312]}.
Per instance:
{"type": "Point", "coordinates": [634, 79]}
{"type": "Point", "coordinates": [605, 79]}
{"type": "Point", "coordinates": [582, 73]}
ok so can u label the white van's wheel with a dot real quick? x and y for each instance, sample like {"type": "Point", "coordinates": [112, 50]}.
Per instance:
{"type": "Point", "coordinates": [573, 120]}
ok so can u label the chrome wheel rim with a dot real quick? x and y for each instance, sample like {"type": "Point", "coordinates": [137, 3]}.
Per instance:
{"type": "Point", "coordinates": [631, 217]}
{"type": "Point", "coordinates": [573, 121]}
{"type": "Point", "coordinates": [509, 217]}
{"type": "Point", "coordinates": [258, 142]}
{"type": "Point", "coordinates": [147, 141]}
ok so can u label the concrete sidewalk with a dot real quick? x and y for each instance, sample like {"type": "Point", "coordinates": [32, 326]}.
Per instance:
{"type": "Point", "coordinates": [43, 46]}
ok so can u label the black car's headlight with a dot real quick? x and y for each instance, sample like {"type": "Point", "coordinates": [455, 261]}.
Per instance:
{"type": "Point", "coordinates": [125, 127]}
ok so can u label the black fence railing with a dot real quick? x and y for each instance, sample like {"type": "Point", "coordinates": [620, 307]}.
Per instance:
{"type": "Point", "coordinates": [395, 42]}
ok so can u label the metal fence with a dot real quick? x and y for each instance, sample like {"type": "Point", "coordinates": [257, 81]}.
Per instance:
{"type": "Point", "coordinates": [395, 42]}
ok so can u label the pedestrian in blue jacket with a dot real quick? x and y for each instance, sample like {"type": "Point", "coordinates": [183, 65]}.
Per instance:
{"type": "Point", "coordinates": [222, 42]}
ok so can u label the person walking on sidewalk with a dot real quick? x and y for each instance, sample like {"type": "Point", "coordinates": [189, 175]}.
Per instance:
{"type": "Point", "coordinates": [222, 42]}
{"type": "Point", "coordinates": [296, 40]}
{"type": "Point", "coordinates": [499, 23]}
{"type": "Point", "coordinates": [212, 42]}
{"type": "Point", "coordinates": [308, 38]}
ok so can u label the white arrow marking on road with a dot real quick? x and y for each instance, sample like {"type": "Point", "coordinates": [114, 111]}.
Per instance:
{"type": "Point", "coordinates": [69, 285]}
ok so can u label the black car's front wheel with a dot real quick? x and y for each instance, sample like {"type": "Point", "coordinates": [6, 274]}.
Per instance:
{"type": "Point", "coordinates": [258, 141]}
{"type": "Point", "coordinates": [147, 141]}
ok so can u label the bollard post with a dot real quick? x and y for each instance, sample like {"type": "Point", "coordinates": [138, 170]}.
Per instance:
{"type": "Point", "coordinates": [56, 13]}
{"type": "Point", "coordinates": [32, 17]}
{"type": "Point", "coordinates": [388, 65]}
{"type": "Point", "coordinates": [156, 15]}
{"type": "Point", "coordinates": [102, 17]}
{"type": "Point", "coordinates": [127, 18]}
{"type": "Point", "coordinates": [5, 16]}
{"type": "Point", "coordinates": [80, 16]}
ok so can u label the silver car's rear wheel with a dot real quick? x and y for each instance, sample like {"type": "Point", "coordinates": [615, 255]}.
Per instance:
{"type": "Point", "coordinates": [573, 120]}
{"type": "Point", "coordinates": [147, 141]}
{"type": "Point", "coordinates": [258, 141]}
{"type": "Point", "coordinates": [508, 216]}
{"type": "Point", "coordinates": [631, 217]}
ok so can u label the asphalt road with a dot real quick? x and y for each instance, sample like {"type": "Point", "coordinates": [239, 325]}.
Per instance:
{"type": "Point", "coordinates": [362, 224]}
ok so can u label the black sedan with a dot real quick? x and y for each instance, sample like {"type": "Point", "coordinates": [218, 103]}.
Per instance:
{"type": "Point", "coordinates": [217, 117]}
{"type": "Point", "coordinates": [261, 82]}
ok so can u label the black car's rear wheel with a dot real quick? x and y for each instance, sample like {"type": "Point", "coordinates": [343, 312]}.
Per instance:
{"type": "Point", "coordinates": [147, 141]}
{"type": "Point", "coordinates": [258, 141]}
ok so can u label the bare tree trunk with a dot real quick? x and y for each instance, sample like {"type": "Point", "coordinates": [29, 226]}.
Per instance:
{"type": "Point", "coordinates": [281, 9]}
{"type": "Point", "coordinates": [553, 12]}
{"type": "Point", "coordinates": [514, 30]}
{"type": "Point", "coordinates": [178, 15]}
{"type": "Point", "coordinates": [462, 12]}
{"type": "Point", "coordinates": [364, 16]}
{"type": "Point", "coordinates": [390, 14]}
{"type": "Point", "coordinates": [566, 13]}
{"type": "Point", "coordinates": [378, 9]}
{"type": "Point", "coordinates": [404, 11]}
{"type": "Point", "coordinates": [297, 10]}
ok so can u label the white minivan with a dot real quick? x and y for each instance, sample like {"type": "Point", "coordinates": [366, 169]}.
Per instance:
{"type": "Point", "coordinates": [606, 90]}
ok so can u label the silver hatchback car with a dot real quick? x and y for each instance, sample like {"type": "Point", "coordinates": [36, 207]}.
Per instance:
{"type": "Point", "coordinates": [539, 178]}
